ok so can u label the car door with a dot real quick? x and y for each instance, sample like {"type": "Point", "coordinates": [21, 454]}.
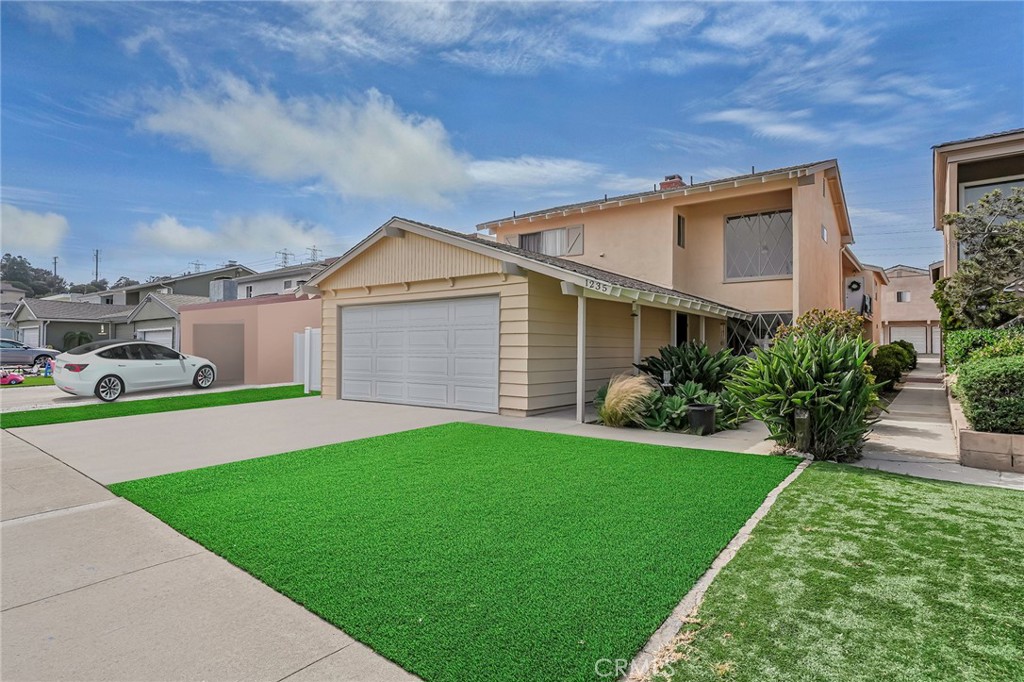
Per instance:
{"type": "Point", "coordinates": [170, 364]}
{"type": "Point", "coordinates": [11, 353]}
{"type": "Point", "coordinates": [141, 372]}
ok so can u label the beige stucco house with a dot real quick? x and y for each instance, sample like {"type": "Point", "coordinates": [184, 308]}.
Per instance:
{"type": "Point", "coordinates": [863, 285]}
{"type": "Point", "coordinates": [542, 308]}
{"type": "Point", "coordinates": [966, 170]}
{"type": "Point", "coordinates": [909, 313]}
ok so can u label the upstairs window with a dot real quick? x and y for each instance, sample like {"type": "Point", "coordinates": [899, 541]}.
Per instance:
{"type": "Point", "coordinates": [681, 231]}
{"type": "Point", "coordinates": [287, 284]}
{"type": "Point", "coordinates": [903, 297]}
{"type": "Point", "coordinates": [759, 245]}
{"type": "Point", "coordinates": [248, 291]}
{"type": "Point", "coordinates": [562, 241]}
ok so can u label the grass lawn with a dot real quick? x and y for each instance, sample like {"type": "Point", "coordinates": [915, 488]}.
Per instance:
{"type": "Point", "coordinates": [63, 415]}
{"type": "Point", "coordinates": [32, 381]}
{"type": "Point", "coordinates": [469, 552]}
{"type": "Point", "coordinates": [859, 575]}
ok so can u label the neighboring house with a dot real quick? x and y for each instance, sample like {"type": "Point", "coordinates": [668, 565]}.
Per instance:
{"type": "Point", "coordinates": [250, 340]}
{"type": "Point", "coordinates": [863, 293]}
{"type": "Point", "coordinates": [280, 281]}
{"type": "Point", "coordinates": [10, 294]}
{"type": "Point", "coordinates": [909, 313]}
{"type": "Point", "coordinates": [965, 171]}
{"type": "Point", "coordinates": [188, 284]}
{"type": "Point", "coordinates": [44, 323]}
{"type": "Point", "coordinates": [156, 318]}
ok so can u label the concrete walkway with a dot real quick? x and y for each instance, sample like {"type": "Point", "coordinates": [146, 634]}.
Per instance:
{"type": "Point", "coordinates": [916, 436]}
{"type": "Point", "coordinates": [94, 588]}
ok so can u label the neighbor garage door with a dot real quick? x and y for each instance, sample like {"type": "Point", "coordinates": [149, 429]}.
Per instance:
{"type": "Point", "coordinates": [936, 340]}
{"type": "Point", "coordinates": [915, 335]}
{"type": "Point", "coordinates": [162, 336]}
{"type": "Point", "coordinates": [434, 353]}
{"type": "Point", "coordinates": [30, 336]}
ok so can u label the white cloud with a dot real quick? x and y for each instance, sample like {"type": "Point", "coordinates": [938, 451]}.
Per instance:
{"type": "Point", "coordinates": [360, 148]}
{"type": "Point", "coordinates": [796, 125]}
{"type": "Point", "coordinates": [155, 36]}
{"type": "Point", "coordinates": [644, 23]}
{"type": "Point", "coordinates": [532, 171]}
{"type": "Point", "coordinates": [27, 229]}
{"type": "Point", "coordinates": [262, 233]}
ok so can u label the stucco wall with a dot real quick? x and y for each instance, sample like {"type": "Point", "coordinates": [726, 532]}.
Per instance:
{"type": "Point", "coordinates": [817, 264]}
{"type": "Point", "coordinates": [920, 308]}
{"type": "Point", "coordinates": [269, 327]}
{"type": "Point", "coordinates": [699, 267]}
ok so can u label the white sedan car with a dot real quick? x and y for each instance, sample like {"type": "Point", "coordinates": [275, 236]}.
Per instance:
{"type": "Point", "coordinates": [107, 369]}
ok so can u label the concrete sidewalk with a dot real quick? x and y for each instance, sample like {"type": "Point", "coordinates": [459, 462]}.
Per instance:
{"type": "Point", "coordinates": [916, 436]}
{"type": "Point", "coordinates": [95, 588]}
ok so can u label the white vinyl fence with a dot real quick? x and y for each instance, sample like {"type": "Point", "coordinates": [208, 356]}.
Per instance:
{"type": "Point", "coordinates": [306, 359]}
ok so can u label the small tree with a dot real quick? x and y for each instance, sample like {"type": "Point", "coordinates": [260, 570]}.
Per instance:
{"type": "Point", "coordinates": [981, 293]}
{"type": "Point", "coordinates": [843, 322]}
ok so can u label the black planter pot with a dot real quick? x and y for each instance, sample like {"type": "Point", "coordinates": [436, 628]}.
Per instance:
{"type": "Point", "coordinates": [702, 418]}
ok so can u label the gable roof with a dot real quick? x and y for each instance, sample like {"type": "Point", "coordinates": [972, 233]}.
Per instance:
{"type": "Point", "coordinates": [289, 270]}
{"type": "Point", "coordinates": [172, 302]}
{"type": "Point", "coordinates": [786, 172]}
{"type": "Point", "coordinates": [42, 309]}
{"type": "Point", "coordinates": [980, 138]}
{"type": "Point", "coordinates": [11, 286]}
{"type": "Point", "coordinates": [583, 276]}
{"type": "Point", "coordinates": [900, 266]}
{"type": "Point", "coordinates": [164, 281]}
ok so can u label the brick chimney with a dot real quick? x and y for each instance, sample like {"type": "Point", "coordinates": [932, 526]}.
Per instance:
{"type": "Point", "coordinates": [672, 182]}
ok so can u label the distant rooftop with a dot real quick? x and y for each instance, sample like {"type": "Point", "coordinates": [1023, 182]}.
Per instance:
{"type": "Point", "coordinates": [1015, 131]}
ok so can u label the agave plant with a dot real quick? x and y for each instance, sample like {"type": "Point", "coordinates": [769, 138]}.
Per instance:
{"type": "Point", "coordinates": [691, 361]}
{"type": "Point", "coordinates": [823, 374]}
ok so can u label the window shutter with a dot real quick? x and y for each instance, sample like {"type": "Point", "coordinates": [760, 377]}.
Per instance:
{"type": "Point", "coordinates": [574, 241]}
{"type": "Point", "coordinates": [512, 240]}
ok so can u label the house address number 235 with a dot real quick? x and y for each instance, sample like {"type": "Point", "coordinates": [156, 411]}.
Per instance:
{"type": "Point", "coordinates": [603, 287]}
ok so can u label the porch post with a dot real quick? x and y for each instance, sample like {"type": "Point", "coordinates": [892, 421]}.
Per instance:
{"type": "Point", "coordinates": [703, 329]}
{"type": "Point", "coordinates": [581, 358]}
{"type": "Point", "coordinates": [636, 335]}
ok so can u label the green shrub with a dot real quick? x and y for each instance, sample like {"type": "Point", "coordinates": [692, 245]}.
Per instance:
{"type": "Point", "coordinates": [842, 322]}
{"type": "Point", "coordinates": [992, 394]}
{"type": "Point", "coordinates": [691, 361]}
{"type": "Point", "coordinates": [962, 344]}
{"type": "Point", "coordinates": [729, 413]}
{"type": "Point", "coordinates": [821, 373]}
{"type": "Point", "coordinates": [888, 365]}
{"type": "Point", "coordinates": [1004, 347]}
{"type": "Point", "coordinates": [911, 351]}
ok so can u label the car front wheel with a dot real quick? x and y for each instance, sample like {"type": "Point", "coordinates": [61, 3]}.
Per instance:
{"type": "Point", "coordinates": [204, 377]}
{"type": "Point", "coordinates": [109, 388]}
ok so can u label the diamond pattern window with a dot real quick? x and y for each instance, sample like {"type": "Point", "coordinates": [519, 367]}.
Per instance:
{"type": "Point", "coordinates": [759, 245]}
{"type": "Point", "coordinates": [743, 336]}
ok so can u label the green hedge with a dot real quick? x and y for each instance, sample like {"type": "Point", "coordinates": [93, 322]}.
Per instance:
{"type": "Point", "coordinates": [961, 344]}
{"type": "Point", "coordinates": [889, 363]}
{"type": "Point", "coordinates": [992, 394]}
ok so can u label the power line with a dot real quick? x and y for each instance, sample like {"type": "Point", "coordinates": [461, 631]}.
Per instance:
{"type": "Point", "coordinates": [285, 257]}
{"type": "Point", "coordinates": [197, 266]}
{"type": "Point", "coordinates": [314, 253]}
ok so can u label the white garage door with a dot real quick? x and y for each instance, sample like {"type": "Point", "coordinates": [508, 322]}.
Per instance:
{"type": "Point", "coordinates": [915, 335]}
{"type": "Point", "coordinates": [936, 340]}
{"type": "Point", "coordinates": [434, 353]}
{"type": "Point", "coordinates": [30, 336]}
{"type": "Point", "coordinates": [162, 336]}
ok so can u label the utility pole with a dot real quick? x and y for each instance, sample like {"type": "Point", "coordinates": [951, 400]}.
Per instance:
{"type": "Point", "coordinates": [55, 266]}
{"type": "Point", "coordinates": [96, 258]}
{"type": "Point", "coordinates": [314, 253]}
{"type": "Point", "coordinates": [285, 255]}
{"type": "Point", "coordinates": [198, 267]}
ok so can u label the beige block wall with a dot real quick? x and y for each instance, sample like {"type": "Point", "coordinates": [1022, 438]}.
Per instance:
{"type": "Point", "coordinates": [817, 276]}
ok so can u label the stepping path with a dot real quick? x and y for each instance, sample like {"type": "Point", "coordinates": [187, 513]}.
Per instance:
{"type": "Point", "coordinates": [916, 436]}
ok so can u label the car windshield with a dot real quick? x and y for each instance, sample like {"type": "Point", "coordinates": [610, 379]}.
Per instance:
{"type": "Point", "coordinates": [89, 347]}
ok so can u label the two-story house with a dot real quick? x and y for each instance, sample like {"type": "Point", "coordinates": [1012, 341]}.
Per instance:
{"type": "Point", "coordinates": [965, 171]}
{"type": "Point", "coordinates": [542, 308]}
{"type": "Point", "coordinates": [909, 313]}
{"type": "Point", "coordinates": [863, 293]}
{"type": "Point", "coordinates": [280, 281]}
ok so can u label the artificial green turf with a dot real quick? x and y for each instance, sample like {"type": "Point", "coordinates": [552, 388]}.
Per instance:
{"type": "Point", "coordinates": [31, 381]}
{"type": "Point", "coordinates": [469, 552]}
{"type": "Point", "coordinates": [64, 415]}
{"type": "Point", "coordinates": [857, 575]}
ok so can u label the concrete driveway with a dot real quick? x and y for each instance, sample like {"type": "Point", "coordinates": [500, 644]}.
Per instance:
{"type": "Point", "coordinates": [35, 397]}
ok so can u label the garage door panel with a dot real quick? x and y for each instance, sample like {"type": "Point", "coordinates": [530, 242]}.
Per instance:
{"type": "Point", "coordinates": [435, 394]}
{"type": "Point", "coordinates": [434, 353]}
{"type": "Point", "coordinates": [30, 336]}
{"type": "Point", "coordinates": [428, 340]}
{"type": "Point", "coordinates": [466, 396]}
{"type": "Point", "coordinates": [163, 336]}
{"type": "Point", "coordinates": [436, 366]}
{"type": "Point", "coordinates": [475, 368]}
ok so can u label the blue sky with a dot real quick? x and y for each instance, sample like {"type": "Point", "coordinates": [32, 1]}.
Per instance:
{"type": "Point", "coordinates": [165, 133]}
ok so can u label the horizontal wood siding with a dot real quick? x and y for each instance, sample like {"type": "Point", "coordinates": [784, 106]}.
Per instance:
{"type": "Point", "coordinates": [411, 258]}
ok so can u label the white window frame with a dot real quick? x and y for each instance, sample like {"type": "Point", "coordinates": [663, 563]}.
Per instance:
{"type": "Point", "coordinates": [565, 248]}
{"type": "Point", "coordinates": [248, 291]}
{"type": "Point", "coordinates": [903, 296]}
{"type": "Point", "coordinates": [287, 284]}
